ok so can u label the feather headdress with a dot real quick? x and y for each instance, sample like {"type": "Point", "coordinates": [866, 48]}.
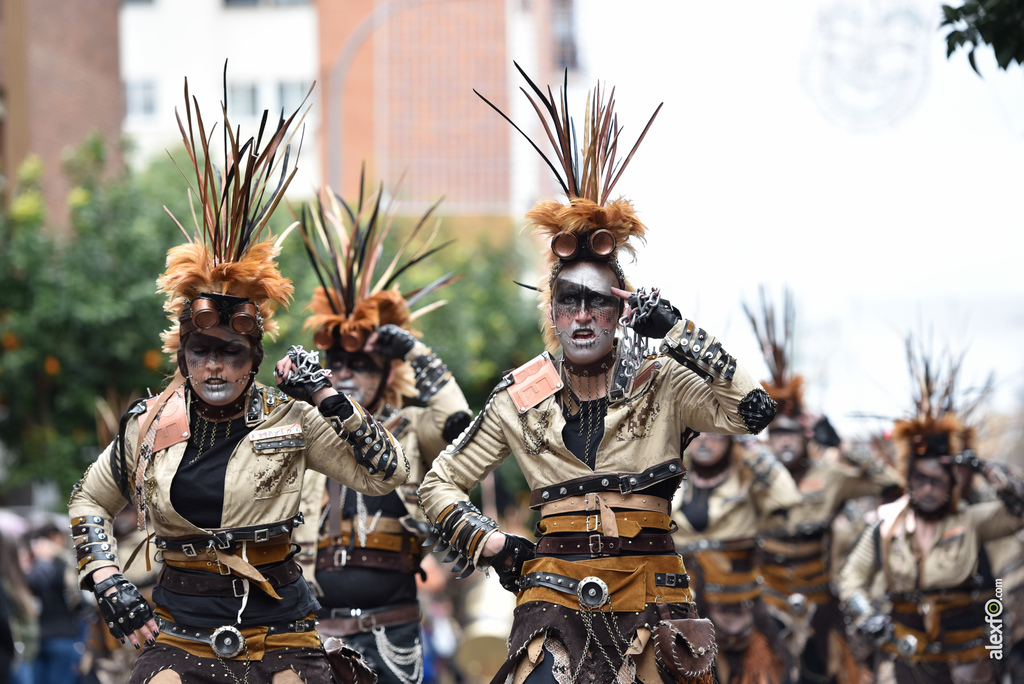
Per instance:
{"type": "Point", "coordinates": [591, 226]}
{"type": "Point", "coordinates": [345, 246]}
{"type": "Point", "coordinates": [224, 254]}
{"type": "Point", "coordinates": [784, 387]}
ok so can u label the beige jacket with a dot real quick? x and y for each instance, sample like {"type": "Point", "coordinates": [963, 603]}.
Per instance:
{"type": "Point", "coordinates": [737, 506]}
{"type": "Point", "coordinates": [265, 488]}
{"type": "Point", "coordinates": [950, 561]}
{"type": "Point", "coordinates": [419, 430]}
{"type": "Point", "coordinates": [642, 429]}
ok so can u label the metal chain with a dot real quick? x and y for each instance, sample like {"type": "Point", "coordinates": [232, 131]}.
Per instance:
{"type": "Point", "coordinates": [398, 658]}
{"type": "Point", "coordinates": [245, 677]}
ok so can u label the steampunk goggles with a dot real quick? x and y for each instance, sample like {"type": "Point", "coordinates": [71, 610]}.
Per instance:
{"type": "Point", "coordinates": [241, 315]}
{"type": "Point", "coordinates": [600, 244]}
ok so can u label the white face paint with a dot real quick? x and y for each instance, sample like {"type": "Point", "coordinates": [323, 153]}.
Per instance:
{"type": "Point", "coordinates": [584, 311]}
{"type": "Point", "coordinates": [219, 362]}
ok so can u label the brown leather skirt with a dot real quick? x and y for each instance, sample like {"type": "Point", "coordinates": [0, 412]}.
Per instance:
{"type": "Point", "coordinates": [310, 664]}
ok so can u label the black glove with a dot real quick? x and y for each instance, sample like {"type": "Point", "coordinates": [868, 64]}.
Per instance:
{"type": "Point", "coordinates": [394, 342]}
{"type": "Point", "coordinates": [649, 319]}
{"type": "Point", "coordinates": [508, 562]}
{"type": "Point", "coordinates": [825, 434]}
{"type": "Point", "coordinates": [307, 378]}
{"type": "Point", "coordinates": [876, 627]}
{"type": "Point", "coordinates": [125, 610]}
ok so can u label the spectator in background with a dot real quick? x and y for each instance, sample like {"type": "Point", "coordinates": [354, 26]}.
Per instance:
{"type": "Point", "coordinates": [59, 628]}
{"type": "Point", "coordinates": [21, 625]}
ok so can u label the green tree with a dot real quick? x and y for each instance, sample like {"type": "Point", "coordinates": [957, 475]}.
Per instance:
{"type": "Point", "coordinates": [999, 23]}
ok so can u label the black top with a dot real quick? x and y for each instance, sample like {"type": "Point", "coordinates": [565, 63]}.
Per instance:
{"type": "Point", "coordinates": [588, 419]}
{"type": "Point", "coordinates": [696, 509]}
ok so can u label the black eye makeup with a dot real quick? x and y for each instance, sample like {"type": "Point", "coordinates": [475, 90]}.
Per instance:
{"type": "Point", "coordinates": [200, 348]}
{"type": "Point", "coordinates": [357, 363]}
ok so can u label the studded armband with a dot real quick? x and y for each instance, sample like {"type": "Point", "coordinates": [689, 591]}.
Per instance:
{"type": "Point", "coordinates": [460, 528]}
{"type": "Point", "coordinates": [431, 374]}
{"type": "Point", "coordinates": [701, 353]}
{"type": "Point", "coordinates": [92, 537]}
{"type": "Point", "coordinates": [372, 444]}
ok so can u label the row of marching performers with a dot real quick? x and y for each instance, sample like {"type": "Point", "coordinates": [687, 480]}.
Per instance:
{"type": "Point", "coordinates": [366, 461]}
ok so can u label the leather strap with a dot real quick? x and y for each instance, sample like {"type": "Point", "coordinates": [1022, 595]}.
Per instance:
{"type": "Point", "coordinates": [210, 584]}
{"type": "Point", "coordinates": [625, 483]}
{"type": "Point", "coordinates": [226, 539]}
{"type": "Point", "coordinates": [395, 543]}
{"type": "Point", "coordinates": [592, 502]}
{"type": "Point", "coordinates": [385, 524]}
{"type": "Point", "coordinates": [628, 523]}
{"type": "Point", "coordinates": [334, 559]}
{"type": "Point", "coordinates": [598, 545]}
{"type": "Point", "coordinates": [347, 621]}
{"type": "Point", "coordinates": [568, 585]}
{"type": "Point", "coordinates": [203, 636]}
{"type": "Point", "coordinates": [333, 508]}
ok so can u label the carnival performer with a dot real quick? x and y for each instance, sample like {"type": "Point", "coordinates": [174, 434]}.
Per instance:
{"type": "Point", "coordinates": [365, 550]}
{"type": "Point", "coordinates": [215, 463]}
{"type": "Point", "coordinates": [794, 550]}
{"type": "Point", "coordinates": [603, 596]}
{"type": "Point", "coordinates": [731, 488]}
{"type": "Point", "coordinates": [927, 545]}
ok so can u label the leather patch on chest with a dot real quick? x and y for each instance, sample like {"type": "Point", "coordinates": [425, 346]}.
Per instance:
{"type": "Point", "coordinates": [172, 424]}
{"type": "Point", "coordinates": [271, 440]}
{"type": "Point", "coordinates": [533, 382]}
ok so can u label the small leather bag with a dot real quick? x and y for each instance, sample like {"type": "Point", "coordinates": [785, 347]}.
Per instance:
{"type": "Point", "coordinates": [685, 649]}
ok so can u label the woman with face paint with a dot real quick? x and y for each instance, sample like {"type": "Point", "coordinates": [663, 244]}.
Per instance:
{"type": "Point", "coordinates": [363, 558]}
{"type": "Point", "coordinates": [214, 464]}
{"type": "Point", "coordinates": [929, 548]}
{"type": "Point", "coordinates": [598, 424]}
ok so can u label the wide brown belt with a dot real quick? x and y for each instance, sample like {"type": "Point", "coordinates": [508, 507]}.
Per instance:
{"type": "Point", "coordinates": [335, 558]}
{"type": "Point", "coordinates": [365, 620]}
{"type": "Point", "coordinates": [385, 524]}
{"type": "Point", "coordinates": [592, 503]}
{"type": "Point", "coordinates": [627, 523]}
{"type": "Point", "coordinates": [624, 483]}
{"type": "Point", "coordinates": [599, 545]}
{"type": "Point", "coordinates": [209, 584]}
{"type": "Point", "coordinates": [215, 560]}
{"type": "Point", "coordinates": [379, 541]}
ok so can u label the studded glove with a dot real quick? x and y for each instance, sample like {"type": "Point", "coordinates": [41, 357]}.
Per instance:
{"type": "Point", "coordinates": [307, 378]}
{"type": "Point", "coordinates": [508, 562]}
{"type": "Point", "coordinates": [393, 341]}
{"type": "Point", "coordinates": [125, 610]}
{"type": "Point", "coordinates": [652, 316]}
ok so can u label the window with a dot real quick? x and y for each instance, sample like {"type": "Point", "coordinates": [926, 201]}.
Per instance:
{"type": "Point", "coordinates": [140, 99]}
{"type": "Point", "coordinates": [290, 94]}
{"type": "Point", "coordinates": [243, 100]}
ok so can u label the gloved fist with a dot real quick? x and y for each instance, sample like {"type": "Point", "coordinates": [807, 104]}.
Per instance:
{"type": "Point", "coordinates": [508, 562]}
{"type": "Point", "coordinates": [304, 376]}
{"type": "Point", "coordinates": [125, 610]}
{"type": "Point", "coordinates": [650, 315]}
{"type": "Point", "coordinates": [393, 341]}
{"type": "Point", "coordinates": [876, 627]}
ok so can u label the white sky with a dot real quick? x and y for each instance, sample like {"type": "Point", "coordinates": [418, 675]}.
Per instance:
{"type": "Point", "coordinates": [830, 147]}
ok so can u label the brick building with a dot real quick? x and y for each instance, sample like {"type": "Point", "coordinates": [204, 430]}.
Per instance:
{"type": "Point", "coordinates": [59, 81]}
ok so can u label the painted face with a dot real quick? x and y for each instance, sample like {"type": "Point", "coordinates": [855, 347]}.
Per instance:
{"type": "Point", "coordinates": [789, 446]}
{"type": "Point", "coordinates": [708, 448]}
{"type": "Point", "coordinates": [584, 311]}
{"type": "Point", "coordinates": [930, 485]}
{"type": "Point", "coordinates": [219, 363]}
{"type": "Point", "coordinates": [357, 375]}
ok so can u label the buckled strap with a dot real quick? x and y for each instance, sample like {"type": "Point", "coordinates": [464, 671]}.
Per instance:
{"type": "Point", "coordinates": [598, 545]}
{"type": "Point", "coordinates": [617, 500]}
{"type": "Point", "coordinates": [213, 584]}
{"type": "Point", "coordinates": [623, 482]}
{"type": "Point", "coordinates": [629, 523]}
{"type": "Point", "coordinates": [337, 558]}
{"type": "Point", "coordinates": [671, 579]}
{"type": "Point", "coordinates": [226, 539]}
{"type": "Point", "coordinates": [548, 580]}
{"type": "Point", "coordinates": [203, 636]}
{"type": "Point", "coordinates": [346, 621]}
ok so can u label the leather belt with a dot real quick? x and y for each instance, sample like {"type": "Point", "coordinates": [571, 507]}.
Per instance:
{"type": "Point", "coordinates": [374, 540]}
{"type": "Point", "coordinates": [629, 523]}
{"type": "Point", "coordinates": [213, 584]}
{"type": "Point", "coordinates": [568, 585]}
{"type": "Point", "coordinates": [598, 545]}
{"type": "Point", "coordinates": [385, 524]}
{"type": "Point", "coordinates": [225, 539]}
{"type": "Point", "coordinates": [346, 621]}
{"type": "Point", "coordinates": [204, 636]}
{"type": "Point", "coordinates": [717, 545]}
{"type": "Point", "coordinates": [623, 482]}
{"type": "Point", "coordinates": [591, 503]}
{"type": "Point", "coordinates": [333, 559]}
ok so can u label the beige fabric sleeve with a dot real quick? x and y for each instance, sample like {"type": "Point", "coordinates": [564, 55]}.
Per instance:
{"type": "Point", "coordinates": [858, 572]}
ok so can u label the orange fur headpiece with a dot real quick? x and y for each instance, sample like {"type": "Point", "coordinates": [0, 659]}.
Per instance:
{"type": "Point", "coordinates": [345, 245]}
{"type": "Point", "coordinates": [223, 255]}
{"type": "Point", "coordinates": [590, 227]}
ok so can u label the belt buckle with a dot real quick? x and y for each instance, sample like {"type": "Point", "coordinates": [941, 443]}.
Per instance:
{"type": "Point", "coordinates": [189, 550]}
{"type": "Point", "coordinates": [340, 562]}
{"type": "Point", "coordinates": [261, 535]}
{"type": "Point", "coordinates": [221, 541]}
{"type": "Point", "coordinates": [670, 579]}
{"type": "Point", "coordinates": [235, 584]}
{"type": "Point", "coordinates": [595, 539]}
{"type": "Point", "coordinates": [626, 484]}
{"type": "Point", "coordinates": [366, 623]}
{"type": "Point", "coordinates": [591, 502]}
{"type": "Point", "coordinates": [300, 626]}
{"type": "Point", "coordinates": [227, 642]}
{"type": "Point", "coordinates": [597, 522]}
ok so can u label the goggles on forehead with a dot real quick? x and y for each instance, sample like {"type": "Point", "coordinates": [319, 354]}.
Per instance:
{"type": "Point", "coordinates": [209, 310]}
{"type": "Point", "coordinates": [600, 244]}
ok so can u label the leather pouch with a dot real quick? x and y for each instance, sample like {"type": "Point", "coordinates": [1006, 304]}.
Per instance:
{"type": "Point", "coordinates": [346, 663]}
{"type": "Point", "coordinates": [685, 649]}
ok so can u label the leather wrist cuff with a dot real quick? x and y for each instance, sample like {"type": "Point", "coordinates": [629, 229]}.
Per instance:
{"type": "Point", "coordinates": [701, 353]}
{"type": "Point", "coordinates": [431, 374]}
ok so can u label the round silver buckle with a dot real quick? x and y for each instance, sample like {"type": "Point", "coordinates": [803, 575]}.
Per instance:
{"type": "Point", "coordinates": [227, 642]}
{"type": "Point", "coordinates": [592, 592]}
